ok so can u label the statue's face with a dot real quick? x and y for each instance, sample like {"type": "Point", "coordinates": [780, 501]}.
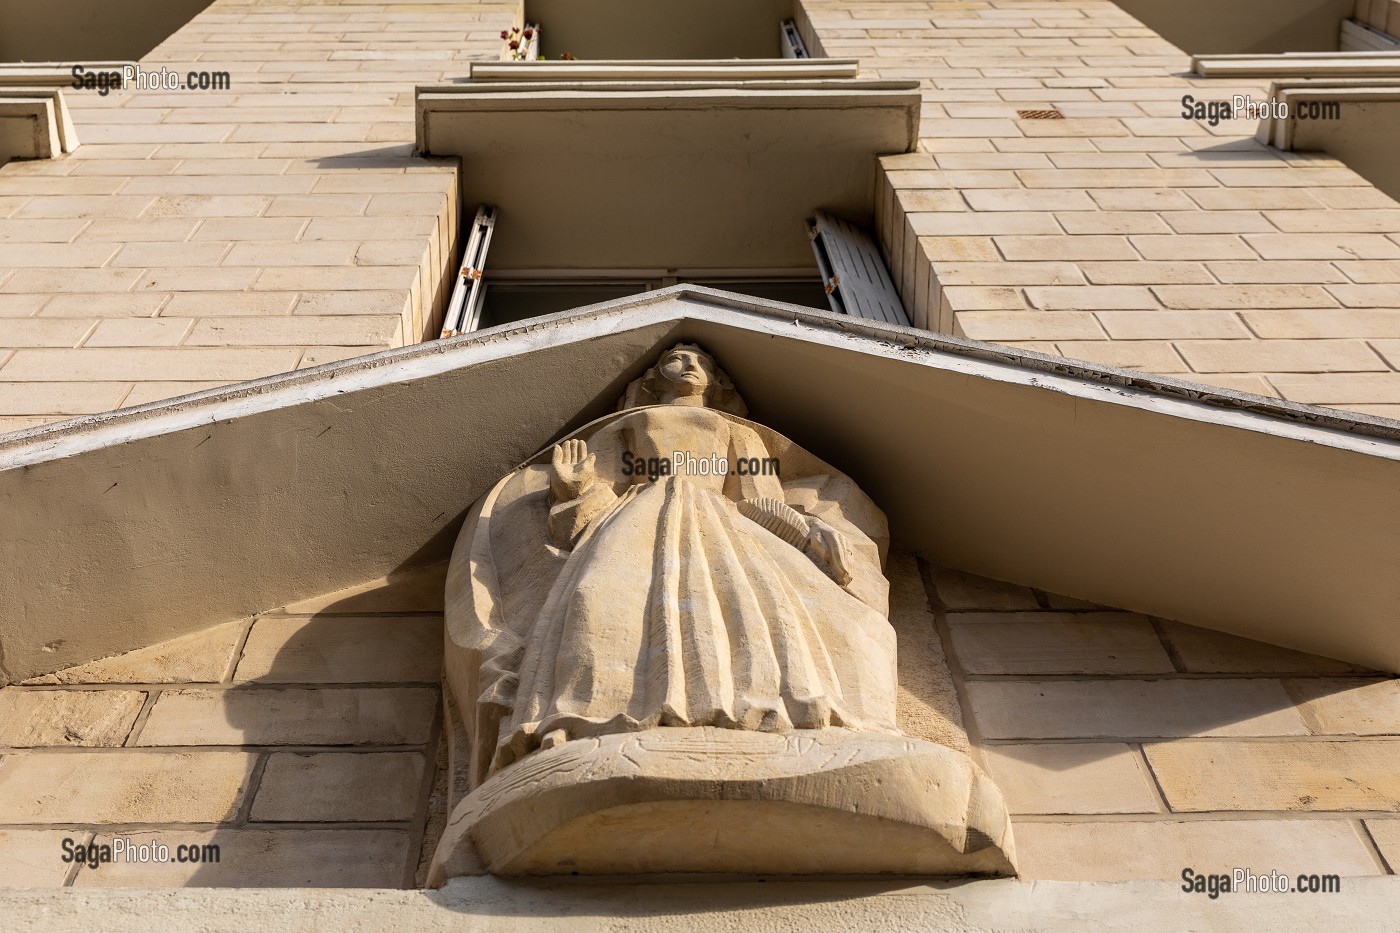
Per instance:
{"type": "Point", "coordinates": [689, 371]}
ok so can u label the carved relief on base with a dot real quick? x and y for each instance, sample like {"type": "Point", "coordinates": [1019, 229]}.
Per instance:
{"type": "Point", "coordinates": [718, 801]}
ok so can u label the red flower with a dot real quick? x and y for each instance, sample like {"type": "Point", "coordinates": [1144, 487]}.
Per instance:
{"type": "Point", "coordinates": [529, 34]}
{"type": "Point", "coordinates": [504, 34]}
{"type": "Point", "coordinates": [515, 43]}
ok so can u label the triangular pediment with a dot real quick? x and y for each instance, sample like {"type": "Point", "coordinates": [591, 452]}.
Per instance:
{"type": "Point", "coordinates": [1252, 516]}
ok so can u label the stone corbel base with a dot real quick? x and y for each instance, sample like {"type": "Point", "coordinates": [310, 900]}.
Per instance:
{"type": "Point", "coordinates": [720, 801]}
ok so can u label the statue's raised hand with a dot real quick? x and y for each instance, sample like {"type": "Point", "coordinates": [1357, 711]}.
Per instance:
{"type": "Point", "coordinates": [572, 470]}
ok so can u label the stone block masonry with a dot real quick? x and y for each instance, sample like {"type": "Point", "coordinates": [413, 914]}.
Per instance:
{"type": "Point", "coordinates": [1121, 234]}
{"type": "Point", "coordinates": [202, 238]}
{"type": "Point", "coordinates": [315, 732]}
{"type": "Point", "coordinates": [1111, 733]}
{"type": "Point", "coordinates": [199, 238]}
{"type": "Point", "coordinates": [303, 743]}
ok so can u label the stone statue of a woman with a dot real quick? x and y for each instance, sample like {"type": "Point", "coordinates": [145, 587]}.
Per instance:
{"type": "Point", "coordinates": [665, 606]}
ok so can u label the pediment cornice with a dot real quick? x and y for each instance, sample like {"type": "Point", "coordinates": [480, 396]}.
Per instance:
{"type": "Point", "coordinates": [1259, 517]}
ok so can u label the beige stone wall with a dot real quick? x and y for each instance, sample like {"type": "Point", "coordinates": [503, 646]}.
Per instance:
{"type": "Point", "coordinates": [1130, 747]}
{"type": "Point", "coordinates": [565, 906]}
{"type": "Point", "coordinates": [302, 742]}
{"type": "Point", "coordinates": [202, 238]}
{"type": "Point", "coordinates": [199, 238]}
{"type": "Point", "coordinates": [1122, 233]}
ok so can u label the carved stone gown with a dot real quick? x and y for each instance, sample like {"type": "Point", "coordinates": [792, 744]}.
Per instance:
{"type": "Point", "coordinates": [673, 609]}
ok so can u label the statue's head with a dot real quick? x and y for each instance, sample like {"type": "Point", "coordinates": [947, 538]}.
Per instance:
{"type": "Point", "coordinates": [685, 375]}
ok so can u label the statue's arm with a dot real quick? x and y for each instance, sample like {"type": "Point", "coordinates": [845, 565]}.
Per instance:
{"type": "Point", "coordinates": [753, 470]}
{"type": "Point", "coordinates": [761, 498]}
{"type": "Point", "coordinates": [576, 497]}
{"type": "Point", "coordinates": [820, 541]}
{"type": "Point", "coordinates": [834, 500]}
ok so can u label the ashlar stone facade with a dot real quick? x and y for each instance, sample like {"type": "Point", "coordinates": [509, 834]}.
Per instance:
{"type": "Point", "coordinates": [201, 238]}
{"type": "Point", "coordinates": [198, 239]}
{"type": "Point", "coordinates": [306, 742]}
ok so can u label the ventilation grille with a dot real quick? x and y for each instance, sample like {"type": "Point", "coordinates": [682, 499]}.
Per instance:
{"type": "Point", "coordinates": [1040, 115]}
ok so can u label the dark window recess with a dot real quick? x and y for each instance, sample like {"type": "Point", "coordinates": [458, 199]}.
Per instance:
{"type": "Point", "coordinates": [507, 303]}
{"type": "Point", "coordinates": [850, 278]}
{"type": "Point", "coordinates": [806, 292]}
{"type": "Point", "coordinates": [630, 30]}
